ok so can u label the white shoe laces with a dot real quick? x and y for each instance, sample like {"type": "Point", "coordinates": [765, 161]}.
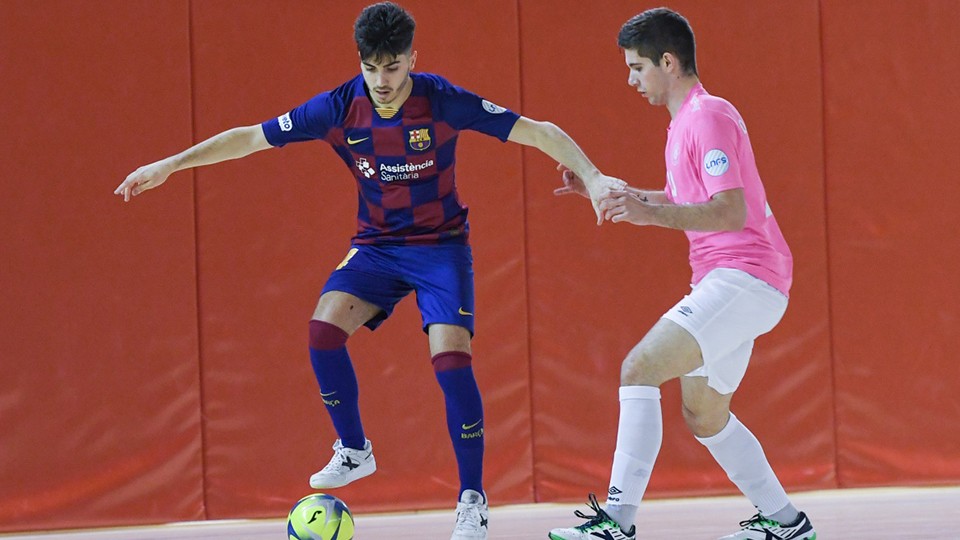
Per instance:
{"type": "Point", "coordinates": [336, 462]}
{"type": "Point", "coordinates": [468, 518]}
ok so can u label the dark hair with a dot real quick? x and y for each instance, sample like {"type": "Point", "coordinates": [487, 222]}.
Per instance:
{"type": "Point", "coordinates": [383, 30]}
{"type": "Point", "coordinates": [658, 31]}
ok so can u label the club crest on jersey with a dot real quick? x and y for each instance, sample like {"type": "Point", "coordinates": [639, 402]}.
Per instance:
{"type": "Point", "coordinates": [420, 139]}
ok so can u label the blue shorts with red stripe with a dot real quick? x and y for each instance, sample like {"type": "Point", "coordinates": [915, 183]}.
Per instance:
{"type": "Point", "coordinates": [440, 274]}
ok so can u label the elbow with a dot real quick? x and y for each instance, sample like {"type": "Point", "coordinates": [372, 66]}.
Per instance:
{"type": "Point", "coordinates": [730, 210]}
{"type": "Point", "coordinates": [736, 221]}
{"type": "Point", "coordinates": [547, 133]}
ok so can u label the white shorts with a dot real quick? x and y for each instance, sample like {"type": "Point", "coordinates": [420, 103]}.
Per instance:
{"type": "Point", "coordinates": [725, 313]}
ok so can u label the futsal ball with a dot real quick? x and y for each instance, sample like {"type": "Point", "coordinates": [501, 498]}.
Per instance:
{"type": "Point", "coordinates": [320, 517]}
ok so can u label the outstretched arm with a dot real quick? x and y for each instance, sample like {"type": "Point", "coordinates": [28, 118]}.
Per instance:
{"type": "Point", "coordinates": [725, 211]}
{"type": "Point", "coordinates": [554, 142]}
{"type": "Point", "coordinates": [231, 144]}
{"type": "Point", "coordinates": [572, 185]}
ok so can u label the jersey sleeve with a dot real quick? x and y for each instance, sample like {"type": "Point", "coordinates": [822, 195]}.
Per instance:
{"type": "Point", "coordinates": [717, 151]}
{"type": "Point", "coordinates": [463, 109]}
{"type": "Point", "coordinates": [309, 121]}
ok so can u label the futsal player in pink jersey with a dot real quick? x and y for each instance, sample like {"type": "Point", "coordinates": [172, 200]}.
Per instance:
{"type": "Point", "coordinates": [742, 271]}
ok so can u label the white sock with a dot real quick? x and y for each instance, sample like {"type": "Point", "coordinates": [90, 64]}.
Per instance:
{"type": "Point", "coordinates": [742, 458]}
{"type": "Point", "coordinates": [639, 435]}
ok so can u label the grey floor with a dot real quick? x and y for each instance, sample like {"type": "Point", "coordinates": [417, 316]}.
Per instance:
{"type": "Point", "coordinates": [860, 514]}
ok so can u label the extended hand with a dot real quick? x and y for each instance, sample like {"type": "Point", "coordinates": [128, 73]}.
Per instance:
{"type": "Point", "coordinates": [618, 206]}
{"type": "Point", "coordinates": [142, 179]}
{"type": "Point", "coordinates": [601, 188]}
{"type": "Point", "coordinates": [572, 184]}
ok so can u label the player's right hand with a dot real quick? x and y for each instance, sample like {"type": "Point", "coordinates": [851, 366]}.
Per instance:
{"type": "Point", "coordinates": [572, 184]}
{"type": "Point", "coordinates": [142, 179]}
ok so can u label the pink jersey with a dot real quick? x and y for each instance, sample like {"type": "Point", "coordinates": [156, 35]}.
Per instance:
{"type": "Point", "coordinates": [708, 151]}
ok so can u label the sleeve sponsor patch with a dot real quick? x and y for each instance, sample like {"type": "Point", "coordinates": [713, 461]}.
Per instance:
{"type": "Point", "coordinates": [715, 163]}
{"type": "Point", "coordinates": [492, 108]}
{"type": "Point", "coordinates": [285, 123]}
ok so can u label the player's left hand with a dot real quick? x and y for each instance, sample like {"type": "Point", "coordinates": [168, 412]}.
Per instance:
{"type": "Point", "coordinates": [603, 187]}
{"type": "Point", "coordinates": [617, 206]}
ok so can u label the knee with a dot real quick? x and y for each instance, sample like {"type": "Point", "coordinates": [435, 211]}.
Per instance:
{"type": "Point", "coordinates": [639, 368]}
{"type": "Point", "coordinates": [705, 423]}
{"type": "Point", "coordinates": [325, 336]}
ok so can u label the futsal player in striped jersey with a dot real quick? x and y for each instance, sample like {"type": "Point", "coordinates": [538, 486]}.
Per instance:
{"type": "Point", "coordinates": [742, 273]}
{"type": "Point", "coordinates": [396, 131]}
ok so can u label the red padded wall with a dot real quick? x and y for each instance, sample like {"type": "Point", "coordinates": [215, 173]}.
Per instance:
{"type": "Point", "coordinates": [99, 401]}
{"type": "Point", "coordinates": [893, 198]}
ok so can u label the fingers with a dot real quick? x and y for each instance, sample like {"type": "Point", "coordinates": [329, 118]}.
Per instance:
{"type": "Point", "coordinates": [127, 189]}
{"type": "Point", "coordinates": [123, 190]}
{"type": "Point", "coordinates": [612, 204]}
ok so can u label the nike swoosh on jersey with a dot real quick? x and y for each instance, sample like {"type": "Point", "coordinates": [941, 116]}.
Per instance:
{"type": "Point", "coordinates": [351, 140]}
{"type": "Point", "coordinates": [462, 312]}
{"type": "Point", "coordinates": [471, 426]}
{"type": "Point", "coordinates": [328, 394]}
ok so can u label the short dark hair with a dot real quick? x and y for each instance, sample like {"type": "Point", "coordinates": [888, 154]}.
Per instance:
{"type": "Point", "coordinates": [383, 30]}
{"type": "Point", "coordinates": [658, 31]}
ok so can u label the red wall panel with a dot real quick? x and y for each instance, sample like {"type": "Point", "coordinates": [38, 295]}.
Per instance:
{"type": "Point", "coordinates": [273, 226]}
{"type": "Point", "coordinates": [99, 402]}
{"type": "Point", "coordinates": [893, 198]}
{"type": "Point", "coordinates": [615, 281]}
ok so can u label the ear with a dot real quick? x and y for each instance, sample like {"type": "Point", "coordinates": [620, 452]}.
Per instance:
{"type": "Point", "coordinates": [413, 59]}
{"type": "Point", "coordinates": [670, 64]}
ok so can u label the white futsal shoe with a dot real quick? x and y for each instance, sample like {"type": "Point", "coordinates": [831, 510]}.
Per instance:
{"type": "Point", "coordinates": [762, 528]}
{"type": "Point", "coordinates": [472, 516]}
{"type": "Point", "coordinates": [346, 465]}
{"type": "Point", "coordinates": [598, 526]}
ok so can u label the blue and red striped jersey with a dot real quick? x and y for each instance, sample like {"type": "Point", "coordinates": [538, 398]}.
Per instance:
{"type": "Point", "coordinates": [403, 165]}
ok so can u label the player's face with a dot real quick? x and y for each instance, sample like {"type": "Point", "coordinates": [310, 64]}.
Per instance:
{"type": "Point", "coordinates": [647, 77]}
{"type": "Point", "coordinates": [389, 79]}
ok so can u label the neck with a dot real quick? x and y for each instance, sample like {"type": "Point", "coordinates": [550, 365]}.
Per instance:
{"type": "Point", "coordinates": [679, 92]}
